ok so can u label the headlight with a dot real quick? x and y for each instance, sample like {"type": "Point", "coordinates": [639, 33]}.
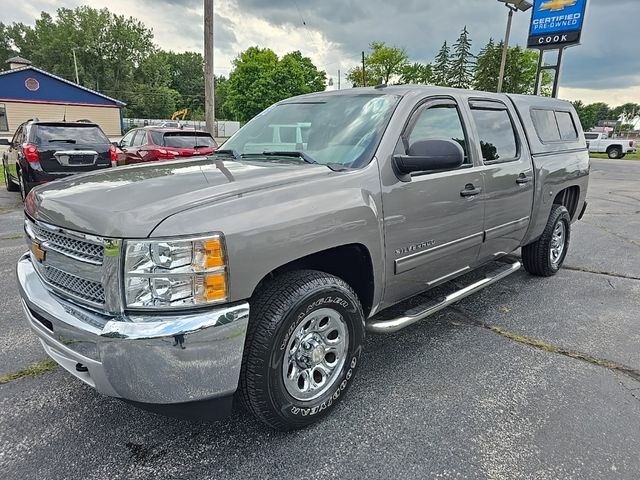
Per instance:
{"type": "Point", "coordinates": [175, 273]}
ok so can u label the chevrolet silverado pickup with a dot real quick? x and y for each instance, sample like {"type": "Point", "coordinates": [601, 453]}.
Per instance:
{"type": "Point", "coordinates": [613, 147]}
{"type": "Point", "coordinates": [253, 274]}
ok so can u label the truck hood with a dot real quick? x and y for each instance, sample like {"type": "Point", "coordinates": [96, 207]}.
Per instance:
{"type": "Point", "coordinates": [130, 202]}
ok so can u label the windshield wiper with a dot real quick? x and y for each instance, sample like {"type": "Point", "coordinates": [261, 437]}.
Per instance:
{"type": "Point", "coordinates": [336, 167]}
{"type": "Point", "coordinates": [293, 154]}
{"type": "Point", "coordinates": [62, 140]}
{"type": "Point", "coordinates": [228, 153]}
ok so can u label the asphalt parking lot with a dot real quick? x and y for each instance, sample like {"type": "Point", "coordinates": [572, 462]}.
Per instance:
{"type": "Point", "coordinates": [529, 379]}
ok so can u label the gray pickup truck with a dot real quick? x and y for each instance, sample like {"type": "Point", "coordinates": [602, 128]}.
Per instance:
{"type": "Point", "coordinates": [254, 273]}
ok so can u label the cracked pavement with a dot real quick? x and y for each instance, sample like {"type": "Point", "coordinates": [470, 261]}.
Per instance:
{"type": "Point", "coordinates": [484, 390]}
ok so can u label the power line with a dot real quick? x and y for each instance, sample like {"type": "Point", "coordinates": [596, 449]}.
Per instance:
{"type": "Point", "coordinates": [304, 23]}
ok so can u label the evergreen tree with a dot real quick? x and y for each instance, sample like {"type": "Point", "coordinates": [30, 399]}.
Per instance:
{"type": "Point", "coordinates": [487, 68]}
{"type": "Point", "coordinates": [440, 74]}
{"type": "Point", "coordinates": [462, 62]}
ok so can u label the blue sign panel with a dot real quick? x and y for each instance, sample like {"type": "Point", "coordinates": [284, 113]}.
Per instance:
{"type": "Point", "coordinates": [556, 23]}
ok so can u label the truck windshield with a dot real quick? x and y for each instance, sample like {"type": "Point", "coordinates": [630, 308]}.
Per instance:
{"type": "Point", "coordinates": [330, 129]}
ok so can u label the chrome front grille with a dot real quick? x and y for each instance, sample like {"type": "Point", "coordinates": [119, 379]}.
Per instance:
{"type": "Point", "coordinates": [74, 265]}
{"type": "Point", "coordinates": [63, 242]}
{"type": "Point", "coordinates": [78, 287]}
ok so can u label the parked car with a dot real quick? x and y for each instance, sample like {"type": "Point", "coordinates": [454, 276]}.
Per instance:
{"type": "Point", "coordinates": [40, 152]}
{"type": "Point", "coordinates": [613, 147]}
{"type": "Point", "coordinates": [149, 144]}
{"type": "Point", "coordinates": [262, 273]}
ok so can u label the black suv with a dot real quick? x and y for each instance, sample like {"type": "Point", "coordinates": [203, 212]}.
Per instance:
{"type": "Point", "coordinates": [44, 151]}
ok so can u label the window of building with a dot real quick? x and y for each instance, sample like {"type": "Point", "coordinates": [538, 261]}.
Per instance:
{"type": "Point", "coordinates": [497, 137]}
{"type": "Point", "coordinates": [437, 122]}
{"type": "Point", "coordinates": [4, 122]}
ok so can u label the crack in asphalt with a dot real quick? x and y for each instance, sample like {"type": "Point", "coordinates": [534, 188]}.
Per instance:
{"type": "Point", "coordinates": [598, 272]}
{"type": "Point", "coordinates": [617, 235]}
{"type": "Point", "coordinates": [467, 319]}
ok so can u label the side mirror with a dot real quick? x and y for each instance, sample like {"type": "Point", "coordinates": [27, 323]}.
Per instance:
{"type": "Point", "coordinates": [5, 142]}
{"type": "Point", "coordinates": [429, 155]}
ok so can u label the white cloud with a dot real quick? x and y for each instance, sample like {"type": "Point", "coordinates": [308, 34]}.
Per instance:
{"type": "Point", "coordinates": [337, 30]}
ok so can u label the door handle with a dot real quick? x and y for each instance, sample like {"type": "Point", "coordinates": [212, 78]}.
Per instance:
{"type": "Point", "coordinates": [523, 179]}
{"type": "Point", "coordinates": [470, 190]}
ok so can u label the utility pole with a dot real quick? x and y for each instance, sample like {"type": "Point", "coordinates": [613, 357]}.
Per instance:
{"type": "Point", "coordinates": [339, 80]}
{"type": "Point", "coordinates": [209, 99]}
{"type": "Point", "coordinates": [364, 72]}
{"type": "Point", "coordinates": [505, 49]}
{"type": "Point", "coordinates": [75, 64]}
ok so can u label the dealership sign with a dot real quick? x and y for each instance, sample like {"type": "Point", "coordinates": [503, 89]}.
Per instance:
{"type": "Point", "coordinates": [556, 23]}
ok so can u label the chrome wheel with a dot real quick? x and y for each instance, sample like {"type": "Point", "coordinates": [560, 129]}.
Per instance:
{"type": "Point", "coordinates": [315, 354]}
{"type": "Point", "coordinates": [558, 241]}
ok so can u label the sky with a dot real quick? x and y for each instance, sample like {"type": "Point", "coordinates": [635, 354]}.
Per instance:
{"type": "Point", "coordinates": [606, 67]}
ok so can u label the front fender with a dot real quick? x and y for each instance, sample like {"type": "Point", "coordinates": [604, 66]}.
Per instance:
{"type": "Point", "coordinates": [266, 229]}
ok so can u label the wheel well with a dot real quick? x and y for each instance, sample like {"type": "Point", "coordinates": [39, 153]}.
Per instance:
{"type": "Point", "coordinates": [352, 263]}
{"type": "Point", "coordinates": [611, 147]}
{"type": "Point", "coordinates": [569, 198]}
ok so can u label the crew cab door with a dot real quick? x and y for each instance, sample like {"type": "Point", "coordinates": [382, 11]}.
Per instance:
{"type": "Point", "coordinates": [434, 222]}
{"type": "Point", "coordinates": [508, 176]}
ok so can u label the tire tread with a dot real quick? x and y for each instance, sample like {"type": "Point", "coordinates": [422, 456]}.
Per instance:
{"type": "Point", "coordinates": [268, 306]}
{"type": "Point", "coordinates": [535, 256]}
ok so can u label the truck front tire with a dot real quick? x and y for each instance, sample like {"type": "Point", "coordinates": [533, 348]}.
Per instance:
{"type": "Point", "coordinates": [303, 346]}
{"type": "Point", "coordinates": [545, 257]}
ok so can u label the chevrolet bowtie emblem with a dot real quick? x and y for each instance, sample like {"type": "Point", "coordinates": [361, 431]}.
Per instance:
{"type": "Point", "coordinates": [557, 5]}
{"type": "Point", "coordinates": [38, 252]}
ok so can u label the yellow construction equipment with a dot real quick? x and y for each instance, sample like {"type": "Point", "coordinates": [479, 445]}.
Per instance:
{"type": "Point", "coordinates": [180, 114]}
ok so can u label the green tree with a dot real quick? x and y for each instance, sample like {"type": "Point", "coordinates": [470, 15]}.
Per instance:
{"type": "Point", "coordinates": [109, 48]}
{"type": "Point", "coordinates": [462, 62]}
{"type": "Point", "coordinates": [441, 72]}
{"type": "Point", "coordinates": [485, 77]}
{"type": "Point", "coordinates": [260, 78]}
{"type": "Point", "coordinates": [6, 48]}
{"type": "Point", "coordinates": [186, 72]}
{"type": "Point", "coordinates": [520, 70]}
{"type": "Point", "coordinates": [417, 73]}
{"type": "Point", "coordinates": [383, 62]}
{"type": "Point", "coordinates": [222, 93]}
{"type": "Point", "coordinates": [591, 114]}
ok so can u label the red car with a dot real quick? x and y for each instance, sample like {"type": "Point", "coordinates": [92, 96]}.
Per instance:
{"type": "Point", "coordinates": [150, 144]}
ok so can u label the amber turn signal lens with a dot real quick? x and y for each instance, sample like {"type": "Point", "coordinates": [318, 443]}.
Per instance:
{"type": "Point", "coordinates": [213, 252]}
{"type": "Point", "coordinates": [216, 287]}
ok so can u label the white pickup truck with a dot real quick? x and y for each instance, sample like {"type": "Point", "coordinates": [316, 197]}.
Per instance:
{"type": "Point", "coordinates": [614, 147]}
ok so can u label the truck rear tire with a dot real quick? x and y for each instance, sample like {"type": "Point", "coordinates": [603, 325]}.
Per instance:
{"type": "Point", "coordinates": [545, 257]}
{"type": "Point", "coordinates": [614, 153]}
{"type": "Point", "coordinates": [303, 346]}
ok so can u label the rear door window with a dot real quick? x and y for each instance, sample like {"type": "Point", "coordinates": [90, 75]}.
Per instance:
{"type": "Point", "coordinates": [566, 126]}
{"type": "Point", "coordinates": [591, 136]}
{"type": "Point", "coordinates": [51, 134]}
{"type": "Point", "coordinates": [140, 139]}
{"type": "Point", "coordinates": [127, 140]}
{"type": "Point", "coordinates": [498, 140]}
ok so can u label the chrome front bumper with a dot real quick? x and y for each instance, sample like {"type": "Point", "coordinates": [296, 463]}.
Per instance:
{"type": "Point", "coordinates": [148, 359]}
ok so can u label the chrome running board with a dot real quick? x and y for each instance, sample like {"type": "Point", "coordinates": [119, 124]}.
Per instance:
{"type": "Point", "coordinates": [432, 306]}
